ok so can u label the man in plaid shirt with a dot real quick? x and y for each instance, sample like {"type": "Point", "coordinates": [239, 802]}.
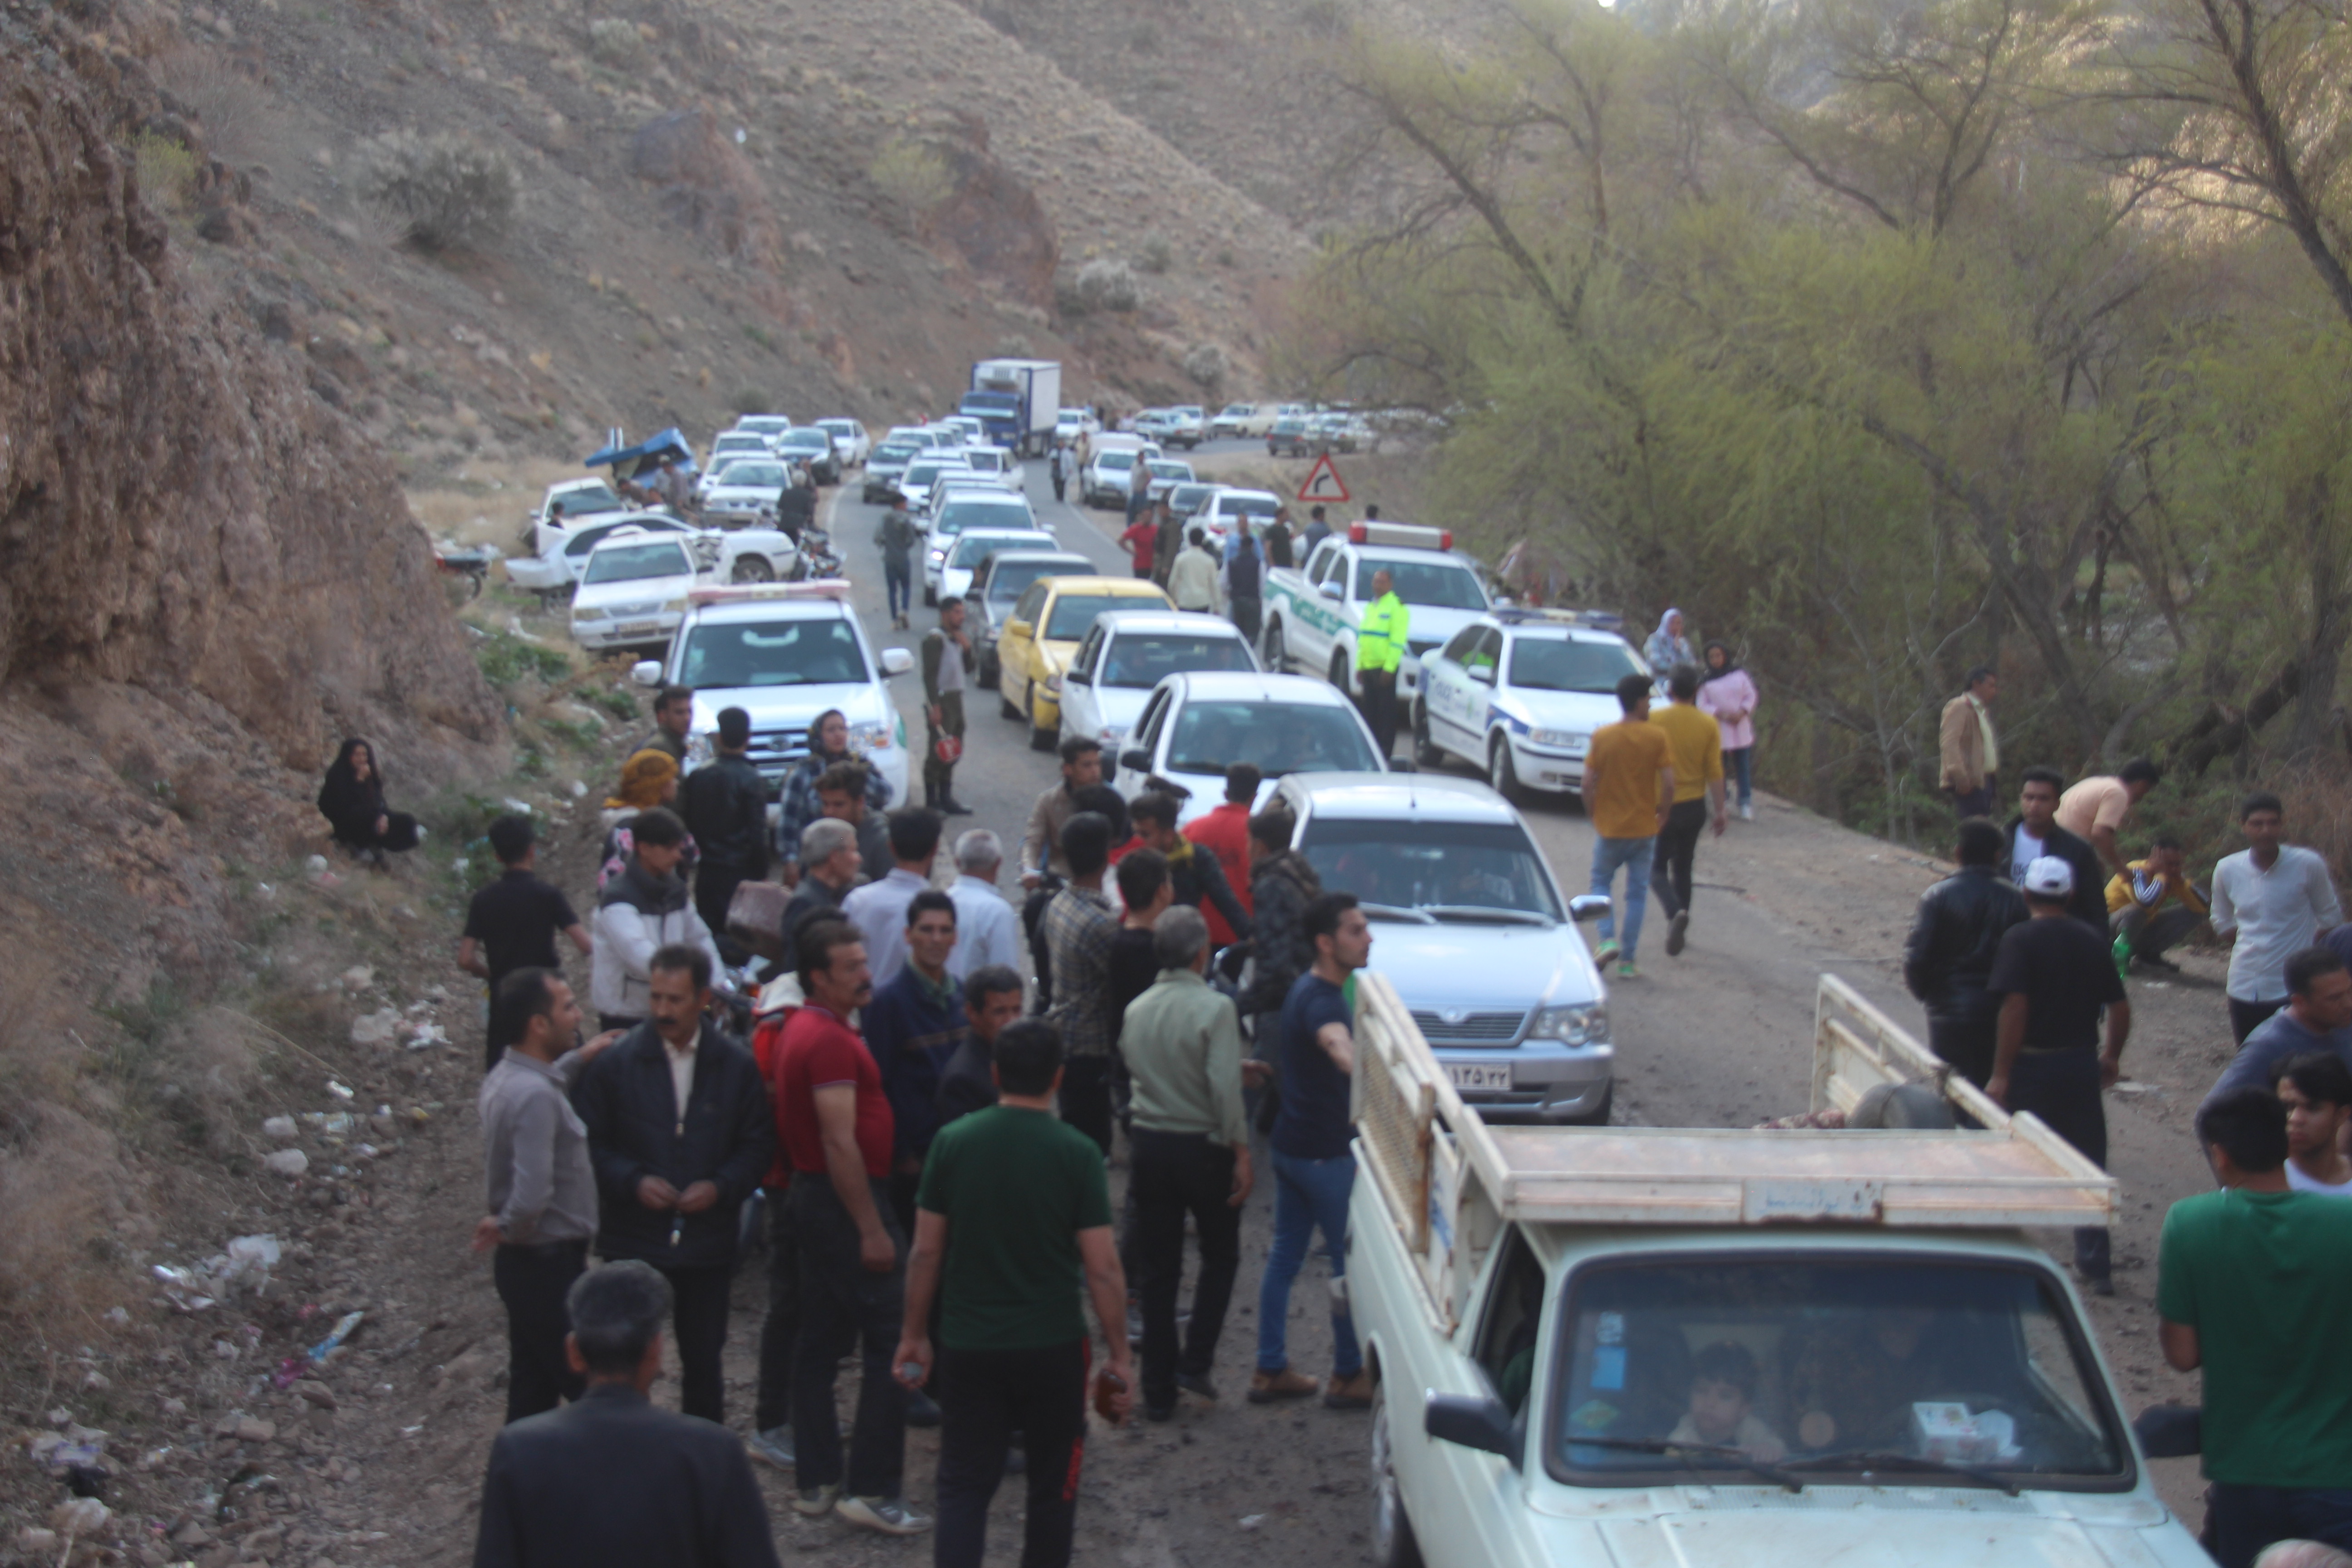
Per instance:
{"type": "Point", "coordinates": [1079, 927]}
{"type": "Point", "coordinates": [828, 744]}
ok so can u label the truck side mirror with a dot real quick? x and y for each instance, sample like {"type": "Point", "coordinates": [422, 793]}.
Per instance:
{"type": "Point", "coordinates": [1588, 907]}
{"type": "Point", "coordinates": [1474, 1421]}
{"type": "Point", "coordinates": [646, 672]}
{"type": "Point", "coordinates": [1136, 757]}
{"type": "Point", "coordinates": [896, 662]}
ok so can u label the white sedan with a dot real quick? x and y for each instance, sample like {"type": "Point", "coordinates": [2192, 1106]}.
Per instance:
{"type": "Point", "coordinates": [923, 473]}
{"type": "Point", "coordinates": [1193, 727]}
{"type": "Point", "coordinates": [950, 564]}
{"type": "Point", "coordinates": [849, 438]}
{"type": "Point", "coordinates": [742, 488]}
{"type": "Point", "coordinates": [1125, 656]}
{"type": "Point", "coordinates": [735, 556]}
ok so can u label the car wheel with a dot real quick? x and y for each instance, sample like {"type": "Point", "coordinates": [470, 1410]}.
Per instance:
{"type": "Point", "coordinates": [1040, 740]}
{"type": "Point", "coordinates": [1499, 771]}
{"type": "Point", "coordinates": [1423, 753]}
{"type": "Point", "coordinates": [931, 596]}
{"type": "Point", "coordinates": [753, 569]}
{"type": "Point", "coordinates": [1004, 705]}
{"type": "Point", "coordinates": [1393, 1543]}
{"type": "Point", "coordinates": [1338, 673]}
{"type": "Point", "coordinates": [1278, 657]}
{"type": "Point", "coordinates": [1599, 1115]}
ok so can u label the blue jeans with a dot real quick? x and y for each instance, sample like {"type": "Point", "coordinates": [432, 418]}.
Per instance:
{"type": "Point", "coordinates": [898, 583]}
{"type": "Point", "coordinates": [1308, 1196]}
{"type": "Point", "coordinates": [2246, 1519]}
{"type": "Point", "coordinates": [1608, 855]}
{"type": "Point", "coordinates": [1742, 764]}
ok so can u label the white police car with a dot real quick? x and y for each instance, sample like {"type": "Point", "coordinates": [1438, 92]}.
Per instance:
{"type": "Point", "coordinates": [1518, 694]}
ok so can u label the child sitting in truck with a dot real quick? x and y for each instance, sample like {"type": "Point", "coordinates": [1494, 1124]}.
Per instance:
{"type": "Point", "coordinates": [1722, 1399]}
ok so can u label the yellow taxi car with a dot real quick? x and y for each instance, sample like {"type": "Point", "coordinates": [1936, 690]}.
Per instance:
{"type": "Point", "coordinates": [1042, 633]}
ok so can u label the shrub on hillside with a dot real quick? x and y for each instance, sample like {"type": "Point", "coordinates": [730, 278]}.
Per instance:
{"type": "Point", "coordinates": [445, 193]}
{"type": "Point", "coordinates": [1205, 363]}
{"type": "Point", "coordinates": [615, 42]}
{"type": "Point", "coordinates": [912, 175]}
{"type": "Point", "coordinates": [1108, 285]}
{"type": "Point", "coordinates": [1156, 254]}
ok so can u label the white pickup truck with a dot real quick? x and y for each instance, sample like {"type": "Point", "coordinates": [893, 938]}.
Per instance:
{"type": "Point", "coordinates": [1659, 1347]}
{"type": "Point", "coordinates": [1311, 612]}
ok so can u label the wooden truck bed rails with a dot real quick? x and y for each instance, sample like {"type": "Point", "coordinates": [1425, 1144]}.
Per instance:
{"type": "Point", "coordinates": [1451, 1183]}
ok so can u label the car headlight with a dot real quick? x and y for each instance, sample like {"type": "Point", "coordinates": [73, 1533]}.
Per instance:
{"type": "Point", "coordinates": [587, 613]}
{"type": "Point", "coordinates": [870, 736]}
{"type": "Point", "coordinates": [1571, 739]}
{"type": "Point", "coordinates": [1581, 1026]}
{"type": "Point", "coordinates": [938, 556]}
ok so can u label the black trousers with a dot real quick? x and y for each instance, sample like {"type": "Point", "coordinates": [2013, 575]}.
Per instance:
{"type": "Point", "coordinates": [986, 1396]}
{"type": "Point", "coordinates": [1085, 1100]}
{"type": "Point", "coordinates": [1966, 1045]}
{"type": "Point", "coordinates": [846, 1306]}
{"type": "Point", "coordinates": [1248, 616]}
{"type": "Point", "coordinates": [2245, 1018]}
{"type": "Point", "coordinates": [938, 777]}
{"type": "Point", "coordinates": [782, 1330]}
{"type": "Point", "coordinates": [714, 889]}
{"type": "Point", "coordinates": [1174, 1174]}
{"type": "Point", "coordinates": [532, 1282]}
{"type": "Point", "coordinates": [1380, 707]}
{"type": "Point", "coordinates": [2063, 1088]}
{"type": "Point", "coordinates": [1670, 863]}
{"type": "Point", "coordinates": [699, 1325]}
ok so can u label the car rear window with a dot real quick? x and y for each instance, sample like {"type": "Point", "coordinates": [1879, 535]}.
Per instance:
{"type": "Point", "coordinates": [1074, 613]}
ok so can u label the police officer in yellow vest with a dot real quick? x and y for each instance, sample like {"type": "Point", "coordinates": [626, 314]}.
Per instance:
{"type": "Point", "coordinates": [1379, 652]}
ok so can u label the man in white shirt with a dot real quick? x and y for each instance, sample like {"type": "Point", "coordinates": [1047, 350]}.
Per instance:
{"type": "Point", "coordinates": [987, 930]}
{"type": "Point", "coordinates": [2316, 1091]}
{"type": "Point", "coordinates": [2271, 900]}
{"type": "Point", "coordinates": [879, 910]}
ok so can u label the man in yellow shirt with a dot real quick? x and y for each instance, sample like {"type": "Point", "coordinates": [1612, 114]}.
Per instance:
{"type": "Point", "coordinates": [2153, 905]}
{"type": "Point", "coordinates": [1629, 786]}
{"type": "Point", "coordinates": [1379, 654]}
{"type": "Point", "coordinates": [1694, 746]}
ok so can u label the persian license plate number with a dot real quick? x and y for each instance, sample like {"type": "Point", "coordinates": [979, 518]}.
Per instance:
{"type": "Point", "coordinates": [1475, 1075]}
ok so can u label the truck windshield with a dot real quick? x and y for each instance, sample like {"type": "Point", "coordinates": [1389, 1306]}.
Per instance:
{"type": "Point", "coordinates": [772, 653]}
{"type": "Point", "coordinates": [1898, 1365]}
{"type": "Point", "coordinates": [985, 403]}
{"type": "Point", "coordinates": [1459, 867]}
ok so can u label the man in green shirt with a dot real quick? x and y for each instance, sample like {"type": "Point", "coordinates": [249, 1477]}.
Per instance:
{"type": "Point", "coordinates": [2252, 1283]}
{"type": "Point", "coordinates": [1182, 1044]}
{"type": "Point", "coordinates": [1013, 1211]}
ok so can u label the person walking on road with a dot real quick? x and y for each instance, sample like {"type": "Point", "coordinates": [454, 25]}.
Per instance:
{"type": "Point", "coordinates": [1381, 648]}
{"type": "Point", "coordinates": [1058, 467]}
{"type": "Point", "coordinates": [1183, 1044]}
{"type": "Point", "coordinates": [1955, 938]}
{"type": "Point", "coordinates": [611, 1481]}
{"type": "Point", "coordinates": [542, 1185]}
{"type": "Point", "coordinates": [898, 539]}
{"type": "Point", "coordinates": [828, 743]}
{"type": "Point", "coordinates": [1314, 1171]}
{"type": "Point", "coordinates": [837, 1132]}
{"type": "Point", "coordinates": [2316, 1019]}
{"type": "Point", "coordinates": [988, 931]}
{"type": "Point", "coordinates": [681, 1134]}
{"type": "Point", "coordinates": [1245, 582]}
{"type": "Point", "coordinates": [512, 924]}
{"type": "Point", "coordinates": [2096, 808]}
{"type": "Point", "coordinates": [724, 803]}
{"type": "Point", "coordinates": [1694, 748]}
{"type": "Point", "coordinates": [1223, 832]}
{"type": "Point", "coordinates": [2053, 975]}
{"type": "Point", "coordinates": [1167, 544]}
{"type": "Point", "coordinates": [1968, 747]}
{"type": "Point", "coordinates": [1141, 543]}
{"type": "Point", "coordinates": [1138, 487]}
{"type": "Point", "coordinates": [1192, 581]}
{"type": "Point", "coordinates": [1013, 1219]}
{"type": "Point", "coordinates": [2034, 832]}
{"type": "Point", "coordinates": [879, 910]}
{"type": "Point", "coordinates": [1079, 925]}
{"type": "Point", "coordinates": [2251, 1285]}
{"type": "Point", "coordinates": [948, 664]}
{"type": "Point", "coordinates": [2316, 1092]}
{"type": "Point", "coordinates": [2152, 905]}
{"type": "Point", "coordinates": [1726, 692]}
{"type": "Point", "coordinates": [1629, 788]}
{"type": "Point", "coordinates": [2271, 900]}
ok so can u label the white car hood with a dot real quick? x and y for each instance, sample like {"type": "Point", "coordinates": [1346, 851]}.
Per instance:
{"type": "Point", "coordinates": [1841, 1527]}
{"type": "Point", "coordinates": [743, 492]}
{"type": "Point", "coordinates": [790, 706]}
{"type": "Point", "coordinates": [653, 593]}
{"type": "Point", "coordinates": [1121, 706]}
{"type": "Point", "coordinates": [1580, 711]}
{"type": "Point", "coordinates": [1484, 965]}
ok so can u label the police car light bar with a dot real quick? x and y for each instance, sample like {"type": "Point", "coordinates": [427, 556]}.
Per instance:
{"type": "Point", "coordinates": [833, 588]}
{"type": "Point", "coordinates": [1411, 534]}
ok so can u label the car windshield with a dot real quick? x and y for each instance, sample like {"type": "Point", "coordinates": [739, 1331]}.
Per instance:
{"type": "Point", "coordinates": [806, 441]}
{"type": "Point", "coordinates": [1186, 500]}
{"type": "Point", "coordinates": [1454, 866]}
{"type": "Point", "coordinates": [1279, 737]}
{"type": "Point", "coordinates": [764, 424]}
{"type": "Point", "coordinates": [842, 429]}
{"type": "Point", "coordinates": [772, 653]}
{"type": "Point", "coordinates": [984, 461]}
{"type": "Point", "coordinates": [1074, 613]}
{"type": "Point", "coordinates": [1011, 579]}
{"type": "Point", "coordinates": [1836, 1364]}
{"type": "Point", "coordinates": [629, 563]}
{"type": "Point", "coordinates": [1110, 460]}
{"type": "Point", "coordinates": [924, 472]}
{"type": "Point", "coordinates": [738, 443]}
{"type": "Point", "coordinates": [971, 549]}
{"type": "Point", "coordinates": [1439, 587]}
{"type": "Point", "coordinates": [1247, 506]}
{"type": "Point", "coordinates": [1560, 664]}
{"type": "Point", "coordinates": [755, 476]}
{"type": "Point", "coordinates": [895, 451]}
{"type": "Point", "coordinates": [588, 498]}
{"type": "Point", "coordinates": [1139, 660]}
{"type": "Point", "coordinates": [960, 516]}
{"type": "Point", "coordinates": [1170, 470]}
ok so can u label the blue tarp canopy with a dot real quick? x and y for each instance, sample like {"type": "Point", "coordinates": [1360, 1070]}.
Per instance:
{"type": "Point", "coordinates": [646, 457]}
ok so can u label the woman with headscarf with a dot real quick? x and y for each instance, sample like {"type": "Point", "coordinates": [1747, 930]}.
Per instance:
{"type": "Point", "coordinates": [648, 779]}
{"type": "Point", "coordinates": [1667, 648]}
{"type": "Point", "coordinates": [1726, 691]}
{"type": "Point", "coordinates": [352, 800]}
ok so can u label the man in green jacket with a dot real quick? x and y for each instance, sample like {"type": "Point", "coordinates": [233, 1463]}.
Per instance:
{"type": "Point", "coordinates": [948, 663]}
{"type": "Point", "coordinates": [1379, 654]}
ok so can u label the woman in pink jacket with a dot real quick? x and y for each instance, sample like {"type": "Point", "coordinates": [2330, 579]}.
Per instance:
{"type": "Point", "coordinates": [1730, 696]}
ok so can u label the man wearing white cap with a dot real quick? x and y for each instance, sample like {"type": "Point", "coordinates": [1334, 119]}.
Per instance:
{"type": "Point", "coordinates": [2053, 975]}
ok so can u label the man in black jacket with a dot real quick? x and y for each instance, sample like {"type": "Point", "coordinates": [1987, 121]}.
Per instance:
{"type": "Point", "coordinates": [681, 1134]}
{"type": "Point", "coordinates": [2034, 832]}
{"type": "Point", "coordinates": [1951, 949]}
{"type": "Point", "coordinates": [1282, 884]}
{"type": "Point", "coordinates": [725, 805]}
{"type": "Point", "coordinates": [609, 1481]}
{"type": "Point", "coordinates": [991, 999]}
{"type": "Point", "coordinates": [1196, 877]}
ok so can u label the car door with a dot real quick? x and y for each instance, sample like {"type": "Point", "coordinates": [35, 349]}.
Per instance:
{"type": "Point", "coordinates": [1016, 643]}
{"type": "Point", "coordinates": [1444, 692]}
{"type": "Point", "coordinates": [1486, 1494]}
{"type": "Point", "coordinates": [1482, 667]}
{"type": "Point", "coordinates": [1081, 712]}
{"type": "Point", "coordinates": [1145, 739]}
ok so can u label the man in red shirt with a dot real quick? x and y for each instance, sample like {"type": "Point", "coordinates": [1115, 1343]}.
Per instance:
{"type": "Point", "coordinates": [1224, 833]}
{"type": "Point", "coordinates": [837, 1130]}
{"type": "Point", "coordinates": [1142, 542]}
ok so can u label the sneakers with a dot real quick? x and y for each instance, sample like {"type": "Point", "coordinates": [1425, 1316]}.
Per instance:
{"type": "Point", "coordinates": [1747, 812]}
{"type": "Point", "coordinates": [1265, 1387]}
{"type": "Point", "coordinates": [1677, 932]}
{"type": "Point", "coordinates": [1348, 1392]}
{"type": "Point", "coordinates": [816, 1502]}
{"type": "Point", "coordinates": [773, 1446]}
{"type": "Point", "coordinates": [1626, 970]}
{"type": "Point", "coordinates": [886, 1515]}
{"type": "Point", "coordinates": [1197, 1382]}
{"type": "Point", "coordinates": [922, 1410]}
{"type": "Point", "coordinates": [1605, 952]}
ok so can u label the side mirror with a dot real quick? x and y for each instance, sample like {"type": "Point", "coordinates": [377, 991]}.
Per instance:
{"type": "Point", "coordinates": [1136, 757]}
{"type": "Point", "coordinates": [1588, 907]}
{"type": "Point", "coordinates": [647, 672]}
{"type": "Point", "coordinates": [896, 662]}
{"type": "Point", "coordinates": [1076, 678]}
{"type": "Point", "coordinates": [1473, 1421]}
{"type": "Point", "coordinates": [1017, 628]}
{"type": "Point", "coordinates": [1328, 590]}
{"type": "Point", "coordinates": [1484, 674]}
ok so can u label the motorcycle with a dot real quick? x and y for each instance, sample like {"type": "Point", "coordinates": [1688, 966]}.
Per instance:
{"type": "Point", "coordinates": [817, 557]}
{"type": "Point", "coordinates": [464, 571]}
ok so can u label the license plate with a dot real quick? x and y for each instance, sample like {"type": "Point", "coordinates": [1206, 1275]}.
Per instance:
{"type": "Point", "coordinates": [1470, 1075]}
{"type": "Point", "coordinates": [639, 628]}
